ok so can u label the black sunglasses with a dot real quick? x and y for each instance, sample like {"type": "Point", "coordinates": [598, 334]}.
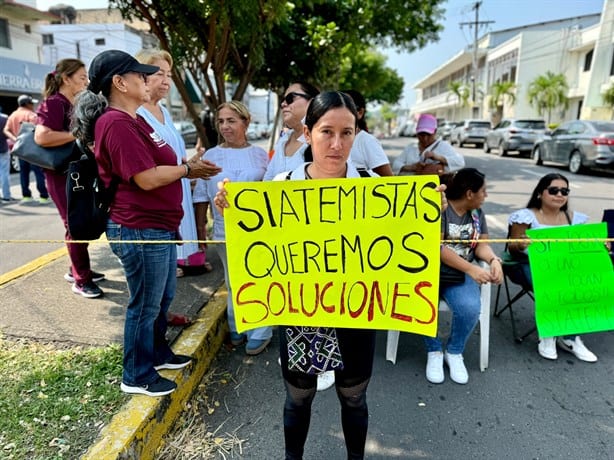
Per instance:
{"type": "Point", "coordinates": [289, 98]}
{"type": "Point", "coordinates": [555, 191]}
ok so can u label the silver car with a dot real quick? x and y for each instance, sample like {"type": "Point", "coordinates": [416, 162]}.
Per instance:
{"type": "Point", "coordinates": [512, 134]}
{"type": "Point", "coordinates": [579, 144]}
{"type": "Point", "coordinates": [470, 132]}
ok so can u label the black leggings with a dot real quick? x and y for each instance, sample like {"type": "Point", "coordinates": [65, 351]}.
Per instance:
{"type": "Point", "coordinates": [357, 348]}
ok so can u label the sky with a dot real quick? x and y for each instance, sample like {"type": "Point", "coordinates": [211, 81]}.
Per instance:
{"type": "Point", "coordinates": [413, 67]}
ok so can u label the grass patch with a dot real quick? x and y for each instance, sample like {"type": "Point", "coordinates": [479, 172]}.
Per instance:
{"type": "Point", "coordinates": [55, 399]}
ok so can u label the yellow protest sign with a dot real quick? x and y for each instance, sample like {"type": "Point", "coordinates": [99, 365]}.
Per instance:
{"type": "Point", "coordinates": [354, 253]}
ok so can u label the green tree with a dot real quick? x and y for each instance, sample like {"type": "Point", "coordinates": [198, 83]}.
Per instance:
{"type": "Point", "coordinates": [209, 38]}
{"type": "Point", "coordinates": [383, 84]}
{"type": "Point", "coordinates": [459, 91]}
{"type": "Point", "coordinates": [608, 97]}
{"type": "Point", "coordinates": [319, 36]}
{"type": "Point", "coordinates": [500, 92]}
{"type": "Point", "coordinates": [548, 92]}
{"type": "Point", "coordinates": [388, 114]}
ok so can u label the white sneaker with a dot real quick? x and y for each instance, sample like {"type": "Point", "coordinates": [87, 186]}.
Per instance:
{"type": "Point", "coordinates": [547, 348]}
{"type": "Point", "coordinates": [458, 371]}
{"type": "Point", "coordinates": [326, 380]}
{"type": "Point", "coordinates": [434, 367]}
{"type": "Point", "coordinates": [578, 348]}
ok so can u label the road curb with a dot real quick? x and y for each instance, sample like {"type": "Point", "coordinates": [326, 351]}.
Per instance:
{"type": "Point", "coordinates": [137, 430]}
{"type": "Point", "coordinates": [32, 266]}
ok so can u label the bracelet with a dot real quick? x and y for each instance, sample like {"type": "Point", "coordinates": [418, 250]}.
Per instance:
{"type": "Point", "coordinates": [495, 258]}
{"type": "Point", "coordinates": [187, 170]}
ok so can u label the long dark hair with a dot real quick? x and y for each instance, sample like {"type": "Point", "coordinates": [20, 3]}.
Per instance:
{"type": "Point", "coordinates": [361, 103]}
{"type": "Point", "coordinates": [535, 202]}
{"type": "Point", "coordinates": [309, 89]}
{"type": "Point", "coordinates": [321, 104]}
{"type": "Point", "coordinates": [462, 180]}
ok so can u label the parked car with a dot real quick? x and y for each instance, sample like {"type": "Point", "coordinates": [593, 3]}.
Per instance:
{"type": "Point", "coordinates": [188, 132]}
{"type": "Point", "coordinates": [408, 129]}
{"type": "Point", "coordinates": [579, 144]}
{"type": "Point", "coordinates": [513, 134]}
{"type": "Point", "coordinates": [446, 128]}
{"type": "Point", "coordinates": [470, 132]}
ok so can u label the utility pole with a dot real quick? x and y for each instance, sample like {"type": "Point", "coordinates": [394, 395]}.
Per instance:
{"type": "Point", "coordinates": [474, 67]}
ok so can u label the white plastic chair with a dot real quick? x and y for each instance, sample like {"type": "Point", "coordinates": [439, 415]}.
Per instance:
{"type": "Point", "coordinates": [392, 340]}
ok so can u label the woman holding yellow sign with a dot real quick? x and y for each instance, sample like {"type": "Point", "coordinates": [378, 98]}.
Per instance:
{"type": "Point", "coordinates": [330, 127]}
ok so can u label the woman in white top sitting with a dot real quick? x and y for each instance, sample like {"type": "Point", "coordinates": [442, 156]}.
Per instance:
{"type": "Point", "coordinates": [289, 150]}
{"type": "Point", "coordinates": [547, 207]}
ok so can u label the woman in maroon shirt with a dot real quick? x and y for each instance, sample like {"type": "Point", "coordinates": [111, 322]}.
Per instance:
{"type": "Point", "coordinates": [53, 128]}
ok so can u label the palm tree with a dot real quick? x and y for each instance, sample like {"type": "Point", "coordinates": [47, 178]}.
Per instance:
{"type": "Point", "coordinates": [460, 91]}
{"type": "Point", "coordinates": [548, 92]}
{"type": "Point", "coordinates": [499, 92]}
{"type": "Point", "coordinates": [608, 97]}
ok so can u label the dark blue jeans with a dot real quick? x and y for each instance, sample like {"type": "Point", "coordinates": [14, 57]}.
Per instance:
{"type": "Point", "coordinates": [150, 273]}
{"type": "Point", "coordinates": [24, 179]}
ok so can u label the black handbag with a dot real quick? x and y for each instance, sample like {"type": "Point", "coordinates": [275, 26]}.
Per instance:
{"type": "Point", "coordinates": [449, 275]}
{"type": "Point", "coordinates": [87, 199]}
{"type": "Point", "coordinates": [54, 158]}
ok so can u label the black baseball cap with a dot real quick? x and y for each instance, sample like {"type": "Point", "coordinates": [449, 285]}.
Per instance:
{"type": "Point", "coordinates": [114, 62]}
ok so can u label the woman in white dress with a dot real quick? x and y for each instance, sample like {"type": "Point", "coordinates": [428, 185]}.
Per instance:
{"type": "Point", "coordinates": [160, 120]}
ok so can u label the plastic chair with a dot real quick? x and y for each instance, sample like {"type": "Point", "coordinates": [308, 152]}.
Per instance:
{"type": "Point", "coordinates": [392, 339]}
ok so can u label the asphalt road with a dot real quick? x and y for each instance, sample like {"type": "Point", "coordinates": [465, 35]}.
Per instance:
{"type": "Point", "coordinates": [521, 407]}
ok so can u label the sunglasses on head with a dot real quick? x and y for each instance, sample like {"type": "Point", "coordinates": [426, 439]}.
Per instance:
{"type": "Point", "coordinates": [289, 98]}
{"type": "Point", "coordinates": [555, 191]}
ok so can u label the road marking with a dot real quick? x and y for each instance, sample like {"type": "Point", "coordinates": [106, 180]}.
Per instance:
{"type": "Point", "coordinates": [532, 173]}
{"type": "Point", "coordinates": [494, 222]}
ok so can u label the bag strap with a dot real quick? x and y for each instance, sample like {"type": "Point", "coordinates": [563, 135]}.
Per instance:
{"type": "Point", "coordinates": [475, 216]}
{"type": "Point", "coordinates": [567, 217]}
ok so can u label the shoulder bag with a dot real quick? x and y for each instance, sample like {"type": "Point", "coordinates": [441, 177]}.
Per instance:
{"type": "Point", "coordinates": [54, 158]}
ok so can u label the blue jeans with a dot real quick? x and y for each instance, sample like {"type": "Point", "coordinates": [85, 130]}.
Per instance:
{"type": "Point", "coordinates": [261, 333]}
{"type": "Point", "coordinates": [150, 273]}
{"type": "Point", "coordinates": [24, 178]}
{"type": "Point", "coordinates": [5, 169]}
{"type": "Point", "coordinates": [464, 302]}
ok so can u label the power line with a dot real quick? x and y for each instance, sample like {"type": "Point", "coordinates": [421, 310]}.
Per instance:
{"type": "Point", "coordinates": [475, 24]}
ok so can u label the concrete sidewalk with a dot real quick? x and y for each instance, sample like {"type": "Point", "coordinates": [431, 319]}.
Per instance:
{"type": "Point", "coordinates": [36, 302]}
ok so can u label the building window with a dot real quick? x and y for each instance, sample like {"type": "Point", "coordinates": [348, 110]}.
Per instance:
{"type": "Point", "coordinates": [27, 28]}
{"type": "Point", "coordinates": [588, 60]}
{"type": "Point", "coordinates": [5, 38]}
{"type": "Point", "coordinates": [612, 64]}
{"type": "Point", "coordinates": [47, 39]}
{"type": "Point", "coordinates": [99, 42]}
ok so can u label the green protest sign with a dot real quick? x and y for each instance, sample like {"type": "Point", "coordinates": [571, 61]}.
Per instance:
{"type": "Point", "coordinates": [573, 281]}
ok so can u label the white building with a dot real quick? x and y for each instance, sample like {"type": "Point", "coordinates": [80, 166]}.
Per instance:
{"type": "Point", "coordinates": [582, 48]}
{"type": "Point", "coordinates": [84, 41]}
